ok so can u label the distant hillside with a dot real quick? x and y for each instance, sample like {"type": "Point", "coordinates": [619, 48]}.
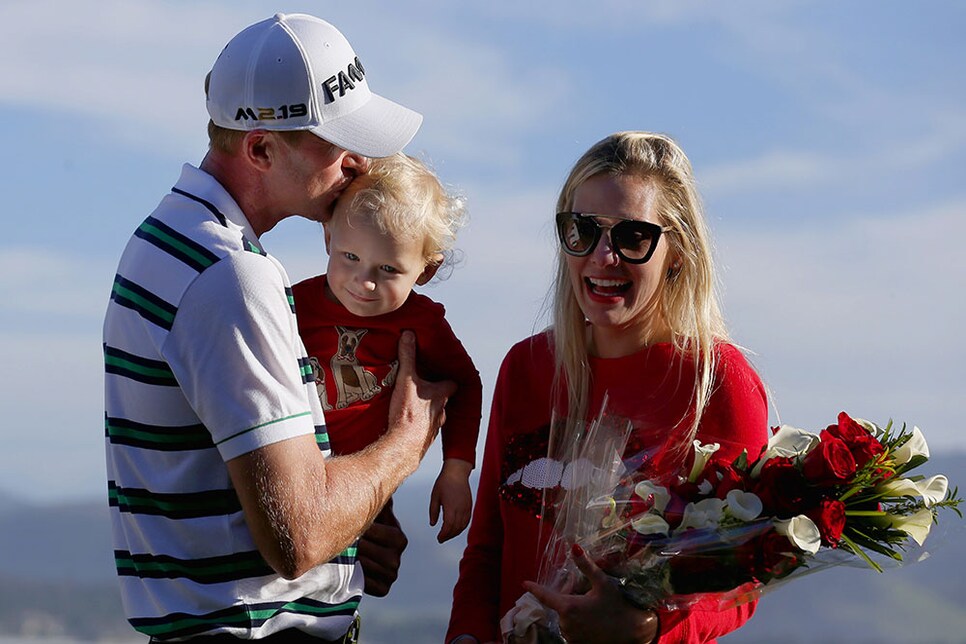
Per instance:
{"type": "Point", "coordinates": [65, 553]}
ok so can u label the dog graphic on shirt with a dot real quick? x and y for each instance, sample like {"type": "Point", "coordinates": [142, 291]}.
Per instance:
{"type": "Point", "coordinates": [353, 382]}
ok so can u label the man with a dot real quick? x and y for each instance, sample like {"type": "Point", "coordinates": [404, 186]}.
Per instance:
{"type": "Point", "coordinates": [229, 522]}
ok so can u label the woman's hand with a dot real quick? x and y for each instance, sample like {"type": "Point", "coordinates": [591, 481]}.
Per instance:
{"type": "Point", "coordinates": [380, 552]}
{"type": "Point", "coordinates": [601, 614]}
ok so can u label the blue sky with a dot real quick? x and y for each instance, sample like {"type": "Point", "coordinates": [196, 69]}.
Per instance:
{"type": "Point", "coordinates": [828, 138]}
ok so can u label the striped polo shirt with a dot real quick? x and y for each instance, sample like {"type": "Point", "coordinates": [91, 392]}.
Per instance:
{"type": "Point", "coordinates": [204, 363]}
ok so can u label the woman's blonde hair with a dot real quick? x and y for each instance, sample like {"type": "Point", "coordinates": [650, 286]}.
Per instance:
{"type": "Point", "coordinates": [405, 199]}
{"type": "Point", "coordinates": [687, 299]}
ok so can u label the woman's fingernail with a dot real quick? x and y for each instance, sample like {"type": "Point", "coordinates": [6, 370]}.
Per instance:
{"type": "Point", "coordinates": [577, 550]}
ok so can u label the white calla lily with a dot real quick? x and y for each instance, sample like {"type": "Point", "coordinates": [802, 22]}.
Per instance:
{"type": "Point", "coordinates": [650, 524]}
{"type": "Point", "coordinates": [802, 532]}
{"type": "Point", "coordinates": [870, 427]}
{"type": "Point", "coordinates": [787, 441]}
{"type": "Point", "coordinates": [702, 453]}
{"type": "Point", "coordinates": [706, 513]}
{"type": "Point", "coordinates": [915, 446]}
{"type": "Point", "coordinates": [931, 490]}
{"type": "Point", "coordinates": [659, 494]}
{"type": "Point", "coordinates": [897, 487]}
{"type": "Point", "coordinates": [916, 525]}
{"type": "Point", "coordinates": [744, 506]}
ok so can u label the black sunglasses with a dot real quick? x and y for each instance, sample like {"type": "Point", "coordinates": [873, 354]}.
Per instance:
{"type": "Point", "coordinates": [634, 241]}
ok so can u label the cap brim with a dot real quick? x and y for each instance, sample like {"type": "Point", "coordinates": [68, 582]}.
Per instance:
{"type": "Point", "coordinates": [379, 128]}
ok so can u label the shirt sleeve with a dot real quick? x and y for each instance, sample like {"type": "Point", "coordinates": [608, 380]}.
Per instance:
{"type": "Point", "coordinates": [476, 597]}
{"type": "Point", "coordinates": [737, 419]}
{"type": "Point", "coordinates": [448, 359]}
{"type": "Point", "coordinates": [235, 351]}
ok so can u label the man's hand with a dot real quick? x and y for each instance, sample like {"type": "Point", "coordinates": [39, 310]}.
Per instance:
{"type": "Point", "coordinates": [380, 552]}
{"type": "Point", "coordinates": [417, 406]}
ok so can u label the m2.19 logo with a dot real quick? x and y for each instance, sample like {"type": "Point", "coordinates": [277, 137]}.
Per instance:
{"type": "Point", "coordinates": [271, 113]}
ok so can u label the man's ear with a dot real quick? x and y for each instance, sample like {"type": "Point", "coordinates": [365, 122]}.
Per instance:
{"type": "Point", "coordinates": [258, 147]}
{"type": "Point", "coordinates": [430, 271]}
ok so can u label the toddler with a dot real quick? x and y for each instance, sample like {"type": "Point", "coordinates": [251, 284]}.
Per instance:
{"type": "Point", "coordinates": [392, 229]}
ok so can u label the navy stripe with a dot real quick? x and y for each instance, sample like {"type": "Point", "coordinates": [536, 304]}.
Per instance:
{"type": "Point", "coordinates": [307, 370]}
{"type": "Point", "coordinates": [143, 302]}
{"type": "Point", "coordinates": [211, 503]}
{"type": "Point", "coordinates": [121, 431]}
{"type": "Point", "coordinates": [252, 247]}
{"type": "Point", "coordinates": [207, 570]}
{"type": "Point", "coordinates": [322, 437]}
{"type": "Point", "coordinates": [207, 204]}
{"type": "Point", "coordinates": [250, 616]}
{"type": "Point", "coordinates": [128, 365]}
{"type": "Point", "coordinates": [248, 244]}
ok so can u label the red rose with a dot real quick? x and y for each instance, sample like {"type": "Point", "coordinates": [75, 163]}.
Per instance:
{"type": "Point", "coordinates": [830, 463]}
{"type": "Point", "coordinates": [723, 478]}
{"type": "Point", "coordinates": [783, 490]}
{"type": "Point", "coordinates": [861, 443]}
{"type": "Point", "coordinates": [829, 516]}
{"type": "Point", "coordinates": [777, 556]}
{"type": "Point", "coordinates": [686, 490]}
{"type": "Point", "coordinates": [674, 511]}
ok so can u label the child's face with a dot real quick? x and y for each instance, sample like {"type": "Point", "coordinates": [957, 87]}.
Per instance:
{"type": "Point", "coordinates": [369, 272]}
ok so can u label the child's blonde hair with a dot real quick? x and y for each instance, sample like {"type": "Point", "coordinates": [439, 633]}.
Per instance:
{"type": "Point", "coordinates": [405, 199]}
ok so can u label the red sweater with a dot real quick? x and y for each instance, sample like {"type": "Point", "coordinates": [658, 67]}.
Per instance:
{"type": "Point", "coordinates": [654, 389]}
{"type": "Point", "coordinates": [355, 360]}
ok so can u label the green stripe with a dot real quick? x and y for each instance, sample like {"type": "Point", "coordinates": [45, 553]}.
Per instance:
{"type": "Point", "coordinates": [146, 304]}
{"type": "Point", "coordinates": [138, 504]}
{"type": "Point", "coordinates": [349, 552]}
{"type": "Point", "coordinates": [249, 615]}
{"type": "Point", "coordinates": [235, 567]}
{"type": "Point", "coordinates": [154, 372]}
{"type": "Point", "coordinates": [271, 422]}
{"type": "Point", "coordinates": [172, 436]}
{"type": "Point", "coordinates": [160, 235]}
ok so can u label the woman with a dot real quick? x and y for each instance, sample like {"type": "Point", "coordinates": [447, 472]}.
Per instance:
{"type": "Point", "coordinates": [635, 318]}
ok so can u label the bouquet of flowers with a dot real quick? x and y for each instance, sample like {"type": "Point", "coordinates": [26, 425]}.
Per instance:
{"type": "Point", "coordinates": [719, 534]}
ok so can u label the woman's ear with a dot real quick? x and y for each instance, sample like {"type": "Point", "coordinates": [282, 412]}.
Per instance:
{"type": "Point", "coordinates": [673, 268]}
{"type": "Point", "coordinates": [430, 271]}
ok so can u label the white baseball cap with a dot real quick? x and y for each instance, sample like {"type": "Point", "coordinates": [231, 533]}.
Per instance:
{"type": "Point", "coordinates": [297, 72]}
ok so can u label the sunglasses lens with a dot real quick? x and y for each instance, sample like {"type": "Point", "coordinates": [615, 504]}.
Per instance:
{"type": "Point", "coordinates": [633, 238]}
{"type": "Point", "coordinates": [576, 233]}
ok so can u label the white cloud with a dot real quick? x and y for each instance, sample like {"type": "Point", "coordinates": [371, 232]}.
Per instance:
{"type": "Point", "coordinates": [138, 75]}
{"type": "Point", "coordinates": [866, 312]}
{"type": "Point", "coordinates": [45, 282]}
{"type": "Point", "coordinates": [53, 432]}
{"type": "Point", "coordinates": [772, 170]}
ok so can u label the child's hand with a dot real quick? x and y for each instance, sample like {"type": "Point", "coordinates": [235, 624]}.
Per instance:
{"type": "Point", "coordinates": [452, 493]}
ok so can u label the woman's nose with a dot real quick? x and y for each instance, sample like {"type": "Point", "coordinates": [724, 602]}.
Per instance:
{"type": "Point", "coordinates": [603, 254]}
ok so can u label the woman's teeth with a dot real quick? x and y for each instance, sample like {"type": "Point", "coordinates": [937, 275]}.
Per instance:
{"type": "Point", "coordinates": [607, 287]}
